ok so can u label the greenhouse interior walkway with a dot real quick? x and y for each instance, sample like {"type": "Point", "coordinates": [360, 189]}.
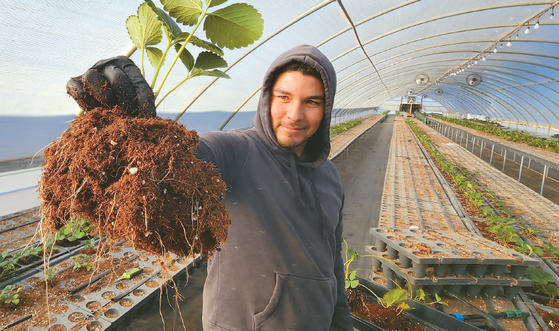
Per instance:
{"type": "Point", "coordinates": [416, 219]}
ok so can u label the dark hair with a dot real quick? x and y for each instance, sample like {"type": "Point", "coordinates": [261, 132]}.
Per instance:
{"type": "Point", "coordinates": [295, 65]}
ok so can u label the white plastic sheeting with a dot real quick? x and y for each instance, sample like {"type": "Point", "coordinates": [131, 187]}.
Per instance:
{"type": "Point", "coordinates": [44, 43]}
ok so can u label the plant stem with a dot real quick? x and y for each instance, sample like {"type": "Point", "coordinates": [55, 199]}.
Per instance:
{"type": "Point", "coordinates": [174, 88]}
{"type": "Point", "coordinates": [160, 65]}
{"type": "Point", "coordinates": [202, 16]}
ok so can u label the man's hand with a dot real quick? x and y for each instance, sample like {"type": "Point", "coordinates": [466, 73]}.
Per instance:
{"type": "Point", "coordinates": [110, 82]}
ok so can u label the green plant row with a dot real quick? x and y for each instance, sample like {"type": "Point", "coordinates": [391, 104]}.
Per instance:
{"type": "Point", "coordinates": [395, 297]}
{"type": "Point", "coordinates": [501, 221]}
{"type": "Point", "coordinates": [517, 136]}
{"type": "Point", "coordinates": [343, 127]}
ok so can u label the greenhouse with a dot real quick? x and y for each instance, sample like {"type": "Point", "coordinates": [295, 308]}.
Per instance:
{"type": "Point", "coordinates": [279, 165]}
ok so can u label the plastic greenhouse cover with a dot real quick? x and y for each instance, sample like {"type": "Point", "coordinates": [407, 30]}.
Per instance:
{"type": "Point", "coordinates": [45, 43]}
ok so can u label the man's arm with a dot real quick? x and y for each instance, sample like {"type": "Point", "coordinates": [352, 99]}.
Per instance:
{"type": "Point", "coordinates": [342, 318]}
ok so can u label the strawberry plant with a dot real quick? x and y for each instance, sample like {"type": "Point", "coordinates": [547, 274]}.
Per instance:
{"type": "Point", "coordinates": [235, 26]}
{"type": "Point", "coordinates": [344, 127]}
{"type": "Point", "coordinates": [394, 297]}
{"type": "Point", "coordinates": [10, 295]}
{"type": "Point", "coordinates": [543, 282]}
{"type": "Point", "coordinates": [80, 261]}
{"type": "Point", "coordinates": [501, 221]}
{"type": "Point", "coordinates": [495, 129]}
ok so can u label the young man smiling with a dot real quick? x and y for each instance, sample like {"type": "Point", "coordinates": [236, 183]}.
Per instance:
{"type": "Point", "coordinates": [281, 267]}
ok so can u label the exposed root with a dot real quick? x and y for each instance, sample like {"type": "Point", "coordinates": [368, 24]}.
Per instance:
{"type": "Point", "coordinates": [136, 179]}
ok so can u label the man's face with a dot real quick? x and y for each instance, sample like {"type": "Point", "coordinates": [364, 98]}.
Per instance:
{"type": "Point", "coordinates": [296, 109]}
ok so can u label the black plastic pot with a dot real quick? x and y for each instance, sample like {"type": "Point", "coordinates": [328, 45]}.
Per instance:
{"type": "Point", "coordinates": [429, 318]}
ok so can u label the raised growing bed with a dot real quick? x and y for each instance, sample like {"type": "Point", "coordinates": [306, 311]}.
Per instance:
{"type": "Point", "coordinates": [98, 299]}
{"type": "Point", "coordinates": [420, 314]}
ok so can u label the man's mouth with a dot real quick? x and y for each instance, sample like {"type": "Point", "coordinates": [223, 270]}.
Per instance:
{"type": "Point", "coordinates": [292, 128]}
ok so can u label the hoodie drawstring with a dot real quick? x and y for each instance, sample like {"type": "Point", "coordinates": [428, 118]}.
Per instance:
{"type": "Point", "coordinates": [317, 206]}
{"type": "Point", "coordinates": [296, 186]}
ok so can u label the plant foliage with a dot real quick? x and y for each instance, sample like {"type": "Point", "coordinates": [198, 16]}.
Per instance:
{"type": "Point", "coordinates": [496, 129]}
{"type": "Point", "coordinates": [235, 26]}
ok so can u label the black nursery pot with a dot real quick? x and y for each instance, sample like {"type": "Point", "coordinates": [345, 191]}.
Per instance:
{"type": "Point", "coordinates": [430, 318]}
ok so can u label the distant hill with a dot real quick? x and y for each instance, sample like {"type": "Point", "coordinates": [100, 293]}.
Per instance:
{"type": "Point", "coordinates": [23, 137]}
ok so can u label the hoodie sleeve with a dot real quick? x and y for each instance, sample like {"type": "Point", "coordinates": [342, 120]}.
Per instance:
{"type": "Point", "coordinates": [225, 150]}
{"type": "Point", "coordinates": [341, 321]}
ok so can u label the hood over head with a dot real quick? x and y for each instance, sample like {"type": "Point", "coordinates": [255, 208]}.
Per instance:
{"type": "Point", "coordinates": [318, 146]}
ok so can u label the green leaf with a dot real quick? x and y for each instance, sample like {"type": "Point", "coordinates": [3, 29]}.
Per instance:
{"type": "Point", "coordinates": [395, 296]}
{"type": "Point", "coordinates": [15, 301]}
{"type": "Point", "coordinates": [208, 60]}
{"type": "Point", "coordinates": [352, 275]}
{"type": "Point", "coordinates": [213, 3]}
{"type": "Point", "coordinates": [206, 45]}
{"type": "Point", "coordinates": [186, 12]}
{"type": "Point", "coordinates": [347, 283]}
{"type": "Point", "coordinates": [168, 23]}
{"type": "Point", "coordinates": [186, 58]}
{"type": "Point", "coordinates": [214, 73]}
{"type": "Point", "coordinates": [145, 28]}
{"type": "Point", "coordinates": [181, 37]}
{"type": "Point", "coordinates": [154, 55]}
{"type": "Point", "coordinates": [234, 26]}
{"type": "Point", "coordinates": [354, 283]}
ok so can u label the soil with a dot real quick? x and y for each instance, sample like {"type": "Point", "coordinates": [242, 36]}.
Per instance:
{"type": "Point", "coordinates": [550, 319]}
{"type": "Point", "coordinates": [387, 318]}
{"type": "Point", "coordinates": [136, 179]}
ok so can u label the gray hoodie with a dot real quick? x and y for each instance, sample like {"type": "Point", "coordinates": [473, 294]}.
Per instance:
{"type": "Point", "coordinates": [281, 267]}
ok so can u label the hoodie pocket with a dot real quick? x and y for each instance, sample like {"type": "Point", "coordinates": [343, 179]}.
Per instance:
{"type": "Point", "coordinates": [298, 303]}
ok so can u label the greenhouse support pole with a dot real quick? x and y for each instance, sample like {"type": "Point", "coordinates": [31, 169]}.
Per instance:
{"type": "Point", "coordinates": [481, 149]}
{"type": "Point", "coordinates": [544, 174]}
{"type": "Point", "coordinates": [461, 137]}
{"type": "Point", "coordinates": [529, 162]}
{"type": "Point", "coordinates": [467, 141]}
{"type": "Point", "coordinates": [504, 160]}
{"type": "Point", "coordinates": [492, 150]}
{"type": "Point", "coordinates": [521, 165]}
{"type": "Point", "coordinates": [473, 144]}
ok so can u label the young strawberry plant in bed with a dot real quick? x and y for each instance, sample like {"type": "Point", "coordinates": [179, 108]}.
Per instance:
{"type": "Point", "coordinates": [138, 178]}
{"type": "Point", "coordinates": [387, 311]}
{"type": "Point", "coordinates": [500, 223]}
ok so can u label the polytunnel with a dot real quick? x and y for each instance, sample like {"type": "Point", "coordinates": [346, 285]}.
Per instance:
{"type": "Point", "coordinates": [444, 130]}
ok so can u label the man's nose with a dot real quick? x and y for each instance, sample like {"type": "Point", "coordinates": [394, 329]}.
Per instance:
{"type": "Point", "coordinates": [295, 111]}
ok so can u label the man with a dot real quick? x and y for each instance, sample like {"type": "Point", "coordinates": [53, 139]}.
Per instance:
{"type": "Point", "coordinates": [281, 268]}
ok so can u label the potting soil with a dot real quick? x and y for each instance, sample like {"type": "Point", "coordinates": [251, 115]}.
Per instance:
{"type": "Point", "coordinates": [136, 179]}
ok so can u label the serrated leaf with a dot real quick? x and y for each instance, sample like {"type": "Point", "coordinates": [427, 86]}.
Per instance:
{"type": "Point", "coordinates": [214, 73]}
{"type": "Point", "coordinates": [216, 2]}
{"type": "Point", "coordinates": [186, 12]}
{"type": "Point", "coordinates": [208, 60]}
{"type": "Point", "coordinates": [186, 58]}
{"type": "Point", "coordinates": [206, 45]}
{"type": "Point", "coordinates": [181, 37]}
{"type": "Point", "coordinates": [168, 23]}
{"type": "Point", "coordinates": [234, 26]}
{"type": "Point", "coordinates": [154, 55]}
{"type": "Point", "coordinates": [145, 28]}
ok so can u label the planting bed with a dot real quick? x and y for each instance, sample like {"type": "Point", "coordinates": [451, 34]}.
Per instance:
{"type": "Point", "coordinates": [536, 210]}
{"type": "Point", "coordinates": [79, 298]}
{"type": "Point", "coordinates": [475, 270]}
{"type": "Point", "coordinates": [413, 196]}
{"type": "Point", "coordinates": [550, 156]}
{"type": "Point", "coordinates": [343, 140]}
